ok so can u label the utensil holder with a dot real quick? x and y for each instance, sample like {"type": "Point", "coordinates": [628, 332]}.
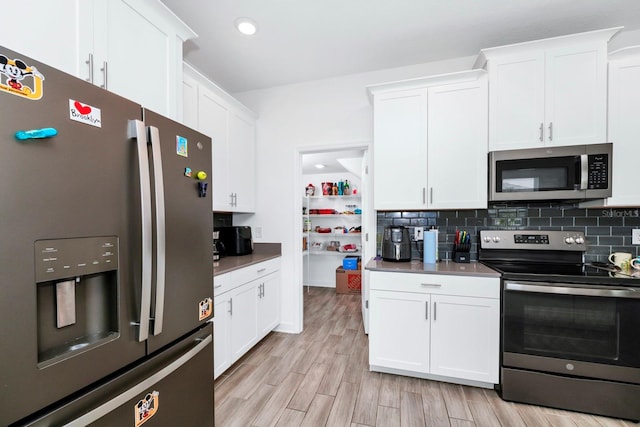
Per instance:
{"type": "Point", "coordinates": [461, 253]}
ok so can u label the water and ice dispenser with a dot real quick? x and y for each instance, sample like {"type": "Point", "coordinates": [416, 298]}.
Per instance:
{"type": "Point", "coordinates": [77, 295]}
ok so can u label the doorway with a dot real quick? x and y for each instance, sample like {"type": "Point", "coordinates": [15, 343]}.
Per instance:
{"type": "Point", "coordinates": [346, 221]}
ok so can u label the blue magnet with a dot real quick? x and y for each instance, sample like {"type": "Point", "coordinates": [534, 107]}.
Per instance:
{"type": "Point", "coordinates": [187, 172]}
{"type": "Point", "coordinates": [36, 133]}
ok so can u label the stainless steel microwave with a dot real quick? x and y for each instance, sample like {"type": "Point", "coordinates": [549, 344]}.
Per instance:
{"type": "Point", "coordinates": [576, 172]}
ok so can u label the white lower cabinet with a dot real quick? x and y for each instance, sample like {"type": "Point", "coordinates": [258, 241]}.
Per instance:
{"type": "Point", "coordinates": [442, 327]}
{"type": "Point", "coordinates": [246, 309]}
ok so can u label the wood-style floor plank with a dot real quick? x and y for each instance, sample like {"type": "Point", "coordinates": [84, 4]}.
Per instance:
{"type": "Point", "coordinates": [315, 379]}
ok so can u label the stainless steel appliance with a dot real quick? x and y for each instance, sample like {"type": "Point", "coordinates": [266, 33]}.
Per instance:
{"type": "Point", "coordinates": [569, 330]}
{"type": "Point", "coordinates": [575, 172]}
{"type": "Point", "coordinates": [105, 257]}
{"type": "Point", "coordinates": [396, 244]}
{"type": "Point", "coordinates": [236, 240]}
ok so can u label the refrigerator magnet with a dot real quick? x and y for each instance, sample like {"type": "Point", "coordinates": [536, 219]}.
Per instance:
{"type": "Point", "coordinates": [21, 79]}
{"type": "Point", "coordinates": [85, 113]}
{"type": "Point", "coordinates": [181, 146]}
{"type": "Point", "coordinates": [205, 308]}
{"type": "Point", "coordinates": [146, 408]}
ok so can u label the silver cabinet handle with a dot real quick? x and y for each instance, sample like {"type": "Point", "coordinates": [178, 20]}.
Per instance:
{"type": "Point", "coordinates": [217, 286]}
{"type": "Point", "coordinates": [430, 285]}
{"type": "Point", "coordinates": [231, 306]}
{"type": "Point", "coordinates": [541, 132]}
{"type": "Point", "coordinates": [550, 131]}
{"type": "Point", "coordinates": [105, 85]}
{"type": "Point", "coordinates": [260, 270]}
{"type": "Point", "coordinates": [158, 310]}
{"type": "Point", "coordinates": [434, 311]}
{"type": "Point", "coordinates": [431, 195]}
{"type": "Point", "coordinates": [141, 387]}
{"type": "Point", "coordinates": [138, 132]}
{"type": "Point", "coordinates": [424, 195]}
{"type": "Point", "coordinates": [89, 62]}
{"type": "Point", "coordinates": [231, 197]}
{"type": "Point", "coordinates": [426, 310]}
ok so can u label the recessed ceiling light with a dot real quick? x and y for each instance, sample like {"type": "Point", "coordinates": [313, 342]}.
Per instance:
{"type": "Point", "coordinates": [246, 26]}
{"type": "Point", "coordinates": [320, 166]}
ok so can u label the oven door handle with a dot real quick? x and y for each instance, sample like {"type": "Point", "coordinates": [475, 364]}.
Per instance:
{"type": "Point", "coordinates": [589, 291]}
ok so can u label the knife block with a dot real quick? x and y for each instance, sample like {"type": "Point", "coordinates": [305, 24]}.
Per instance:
{"type": "Point", "coordinates": [462, 253]}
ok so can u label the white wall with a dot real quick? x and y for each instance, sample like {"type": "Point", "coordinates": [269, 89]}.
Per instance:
{"type": "Point", "coordinates": [327, 112]}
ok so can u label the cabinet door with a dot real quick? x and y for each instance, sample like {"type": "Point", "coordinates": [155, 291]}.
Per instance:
{"type": "Point", "coordinates": [576, 95]}
{"type": "Point", "coordinates": [400, 150]}
{"type": "Point", "coordinates": [465, 337]}
{"type": "Point", "coordinates": [399, 330]}
{"type": "Point", "coordinates": [516, 101]}
{"type": "Point", "coordinates": [46, 31]}
{"type": "Point", "coordinates": [241, 162]}
{"type": "Point", "coordinates": [190, 102]}
{"type": "Point", "coordinates": [457, 145]}
{"type": "Point", "coordinates": [244, 319]}
{"type": "Point", "coordinates": [213, 121]}
{"type": "Point", "coordinates": [135, 54]}
{"type": "Point", "coordinates": [624, 128]}
{"type": "Point", "coordinates": [268, 304]}
{"type": "Point", "coordinates": [221, 334]}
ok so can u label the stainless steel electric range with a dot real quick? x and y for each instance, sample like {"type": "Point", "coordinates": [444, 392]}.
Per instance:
{"type": "Point", "coordinates": [570, 331]}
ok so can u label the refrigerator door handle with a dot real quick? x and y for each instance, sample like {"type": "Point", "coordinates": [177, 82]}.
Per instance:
{"type": "Point", "coordinates": [158, 309]}
{"type": "Point", "coordinates": [138, 132]}
{"type": "Point", "coordinates": [141, 387]}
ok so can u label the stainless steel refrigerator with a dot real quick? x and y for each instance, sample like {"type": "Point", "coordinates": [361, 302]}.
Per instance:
{"type": "Point", "coordinates": [105, 257]}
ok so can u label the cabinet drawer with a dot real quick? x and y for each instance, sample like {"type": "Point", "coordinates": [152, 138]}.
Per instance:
{"type": "Point", "coordinates": [221, 284]}
{"type": "Point", "coordinates": [255, 271]}
{"type": "Point", "coordinates": [474, 286]}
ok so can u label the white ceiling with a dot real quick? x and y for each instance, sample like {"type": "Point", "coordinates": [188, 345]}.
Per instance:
{"type": "Point", "coordinates": [301, 40]}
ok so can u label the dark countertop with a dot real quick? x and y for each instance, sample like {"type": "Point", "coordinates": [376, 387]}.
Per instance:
{"type": "Point", "coordinates": [261, 252]}
{"type": "Point", "coordinates": [443, 267]}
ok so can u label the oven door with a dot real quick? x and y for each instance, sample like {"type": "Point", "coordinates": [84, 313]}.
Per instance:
{"type": "Point", "coordinates": [572, 329]}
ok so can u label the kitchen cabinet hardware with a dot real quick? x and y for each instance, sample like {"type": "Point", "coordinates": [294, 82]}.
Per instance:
{"type": "Point", "coordinates": [430, 285]}
{"type": "Point", "coordinates": [424, 197]}
{"type": "Point", "coordinates": [435, 313]}
{"type": "Point", "coordinates": [260, 270]}
{"type": "Point", "coordinates": [217, 286]}
{"type": "Point", "coordinates": [89, 62]}
{"type": "Point", "coordinates": [550, 131]}
{"type": "Point", "coordinates": [431, 195]}
{"type": "Point", "coordinates": [231, 306]}
{"type": "Point", "coordinates": [426, 310]}
{"type": "Point", "coordinates": [105, 84]}
{"type": "Point", "coordinates": [541, 139]}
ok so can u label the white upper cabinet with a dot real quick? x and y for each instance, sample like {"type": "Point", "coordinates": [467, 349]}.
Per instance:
{"type": "Point", "coordinates": [550, 92]}
{"type": "Point", "coordinates": [430, 142]}
{"type": "Point", "coordinates": [231, 126]}
{"type": "Point", "coordinates": [130, 47]}
{"type": "Point", "coordinates": [624, 127]}
{"type": "Point", "coordinates": [35, 38]}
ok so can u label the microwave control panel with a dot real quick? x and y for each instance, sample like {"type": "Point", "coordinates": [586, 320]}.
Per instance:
{"type": "Point", "coordinates": [598, 171]}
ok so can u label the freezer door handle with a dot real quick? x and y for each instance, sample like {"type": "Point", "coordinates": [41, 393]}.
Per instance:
{"type": "Point", "coordinates": [138, 132]}
{"type": "Point", "coordinates": [158, 309]}
{"type": "Point", "coordinates": [141, 387]}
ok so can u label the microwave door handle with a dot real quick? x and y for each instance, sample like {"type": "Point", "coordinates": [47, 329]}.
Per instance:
{"type": "Point", "coordinates": [584, 171]}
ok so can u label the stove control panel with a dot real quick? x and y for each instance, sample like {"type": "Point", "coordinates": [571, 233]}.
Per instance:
{"type": "Point", "coordinates": [533, 239]}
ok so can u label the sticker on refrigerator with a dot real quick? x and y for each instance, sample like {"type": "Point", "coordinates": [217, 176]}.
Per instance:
{"type": "Point", "coordinates": [85, 113]}
{"type": "Point", "coordinates": [181, 146]}
{"type": "Point", "coordinates": [205, 308]}
{"type": "Point", "coordinates": [19, 78]}
{"type": "Point", "coordinates": [146, 408]}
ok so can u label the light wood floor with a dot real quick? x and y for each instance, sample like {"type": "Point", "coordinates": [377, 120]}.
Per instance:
{"type": "Point", "coordinates": [321, 378]}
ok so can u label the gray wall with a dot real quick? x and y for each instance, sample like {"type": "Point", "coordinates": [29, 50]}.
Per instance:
{"type": "Point", "coordinates": [607, 230]}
